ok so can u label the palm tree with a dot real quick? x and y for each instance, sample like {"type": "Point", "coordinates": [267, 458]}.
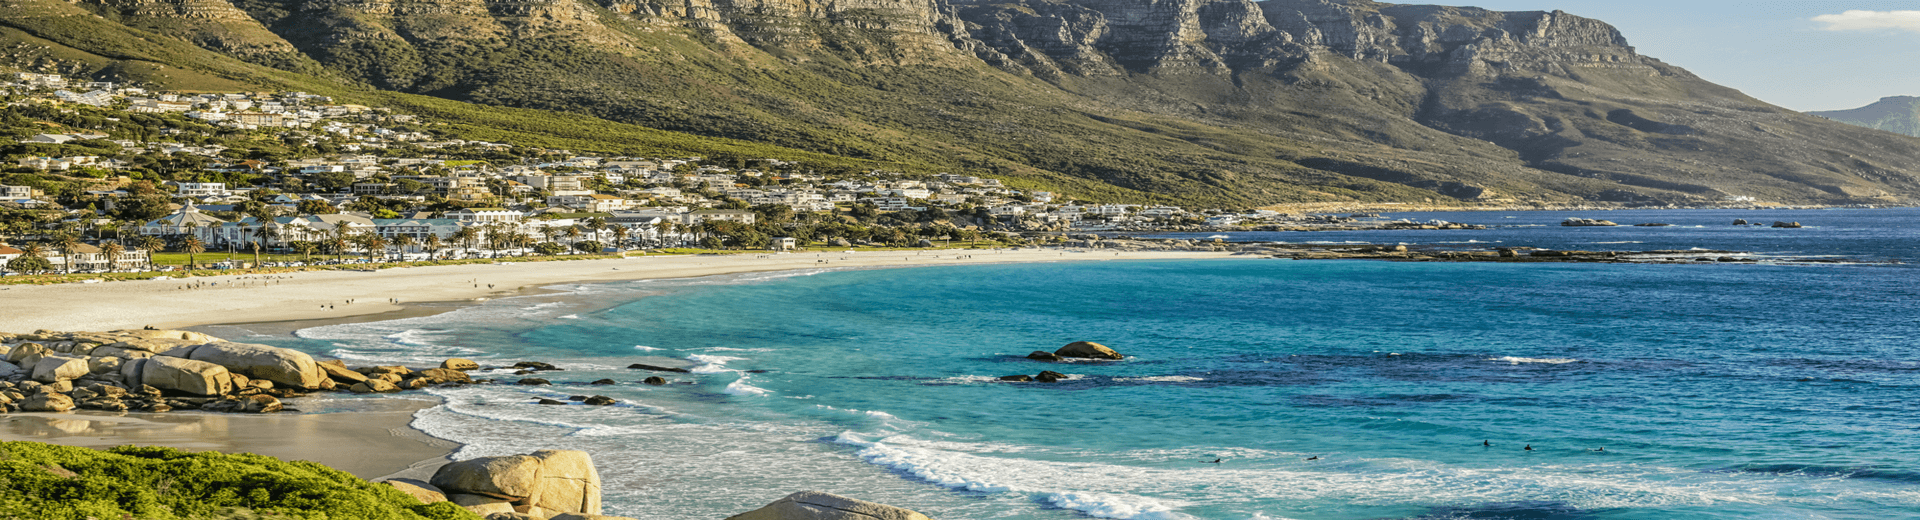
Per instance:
{"type": "Point", "coordinates": [66, 243]}
{"type": "Point", "coordinates": [376, 242]}
{"type": "Point", "coordinates": [465, 236]}
{"type": "Point", "coordinates": [666, 228]}
{"type": "Point", "coordinates": [403, 242]}
{"type": "Point", "coordinates": [151, 244]}
{"type": "Point", "coordinates": [306, 250]}
{"type": "Point", "coordinates": [619, 236]}
{"type": "Point", "coordinates": [190, 227]}
{"type": "Point", "coordinates": [191, 245]}
{"type": "Point", "coordinates": [573, 236]}
{"type": "Point", "coordinates": [112, 250]}
{"type": "Point", "coordinates": [262, 237]}
{"type": "Point", "coordinates": [433, 245]}
{"type": "Point", "coordinates": [33, 249]}
{"type": "Point", "coordinates": [551, 232]}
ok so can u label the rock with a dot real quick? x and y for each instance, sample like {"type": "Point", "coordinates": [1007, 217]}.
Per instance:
{"type": "Point", "coordinates": [534, 381]}
{"type": "Point", "coordinates": [1587, 222]}
{"type": "Point", "coordinates": [535, 365]}
{"type": "Point", "coordinates": [513, 515]}
{"type": "Point", "coordinates": [27, 355]}
{"type": "Point", "coordinates": [459, 364]}
{"type": "Point", "coordinates": [420, 490]}
{"type": "Point", "coordinates": [1087, 349]}
{"type": "Point", "coordinates": [549, 401]}
{"type": "Point", "coordinates": [1021, 378]}
{"type": "Point", "coordinates": [104, 365]}
{"type": "Point", "coordinates": [167, 334]}
{"type": "Point", "coordinates": [481, 505]}
{"type": "Point", "coordinates": [55, 368]}
{"type": "Point", "coordinates": [395, 371]}
{"type": "Point", "coordinates": [1786, 225]}
{"type": "Point", "coordinates": [507, 478]}
{"type": "Point", "coordinates": [58, 386]}
{"type": "Point", "coordinates": [605, 382]}
{"type": "Point", "coordinates": [8, 370]}
{"type": "Point", "coordinates": [258, 404]}
{"type": "Point", "coordinates": [655, 380]}
{"type": "Point", "coordinates": [814, 505]}
{"type": "Point", "coordinates": [600, 400]}
{"type": "Point", "coordinates": [341, 374]}
{"type": "Point", "coordinates": [46, 402]}
{"type": "Point", "coordinates": [416, 383]}
{"type": "Point", "coordinates": [576, 398]}
{"type": "Point", "coordinates": [1048, 376]}
{"type": "Point", "coordinates": [373, 386]}
{"type": "Point", "coordinates": [287, 367]}
{"type": "Point", "coordinates": [178, 374]}
{"type": "Point", "coordinates": [551, 480]}
{"type": "Point", "coordinates": [640, 366]}
{"type": "Point", "coordinates": [1042, 355]}
{"type": "Point", "coordinates": [1739, 222]}
{"type": "Point", "coordinates": [443, 375]}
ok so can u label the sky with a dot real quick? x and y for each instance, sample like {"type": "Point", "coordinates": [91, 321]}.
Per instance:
{"type": "Point", "coordinates": [1799, 54]}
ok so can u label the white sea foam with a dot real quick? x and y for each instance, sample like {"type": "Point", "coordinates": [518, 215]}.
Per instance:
{"type": "Point", "coordinates": [644, 347]}
{"type": "Point", "coordinates": [1158, 379]}
{"type": "Point", "coordinates": [740, 387]}
{"type": "Point", "coordinates": [570, 317]}
{"type": "Point", "coordinates": [709, 364]}
{"type": "Point", "coordinates": [1518, 360]}
{"type": "Point", "coordinates": [731, 349]}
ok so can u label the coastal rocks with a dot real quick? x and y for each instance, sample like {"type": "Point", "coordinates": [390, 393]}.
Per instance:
{"type": "Point", "coordinates": [1587, 222]}
{"type": "Point", "coordinates": [459, 364]}
{"type": "Point", "coordinates": [46, 402]}
{"type": "Point", "coordinates": [177, 374]}
{"type": "Point", "coordinates": [814, 505]}
{"type": "Point", "coordinates": [604, 382]}
{"type": "Point", "coordinates": [425, 492]}
{"type": "Point", "coordinates": [535, 365]}
{"type": "Point", "coordinates": [1049, 376]}
{"type": "Point", "coordinates": [642, 366]}
{"type": "Point", "coordinates": [284, 366]}
{"type": "Point", "coordinates": [655, 380]}
{"type": "Point", "coordinates": [1739, 222]}
{"type": "Point", "coordinates": [599, 400]}
{"type": "Point", "coordinates": [56, 368]}
{"type": "Point", "coordinates": [1042, 355]}
{"type": "Point", "coordinates": [1018, 378]}
{"type": "Point", "coordinates": [249, 404]}
{"type": "Point", "coordinates": [1786, 225]}
{"type": "Point", "coordinates": [1087, 350]}
{"type": "Point", "coordinates": [441, 376]}
{"type": "Point", "coordinates": [167, 334]}
{"type": "Point", "coordinates": [342, 375]}
{"type": "Point", "coordinates": [533, 381]}
{"type": "Point", "coordinates": [8, 370]}
{"type": "Point", "coordinates": [27, 355]}
{"type": "Point", "coordinates": [556, 481]}
{"type": "Point", "coordinates": [549, 402]}
{"type": "Point", "coordinates": [481, 505]}
{"type": "Point", "coordinates": [373, 386]}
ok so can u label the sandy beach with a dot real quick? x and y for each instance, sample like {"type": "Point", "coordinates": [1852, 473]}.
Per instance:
{"type": "Point", "coordinates": [326, 294]}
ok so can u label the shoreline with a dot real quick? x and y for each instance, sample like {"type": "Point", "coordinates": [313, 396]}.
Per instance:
{"type": "Point", "coordinates": [320, 295]}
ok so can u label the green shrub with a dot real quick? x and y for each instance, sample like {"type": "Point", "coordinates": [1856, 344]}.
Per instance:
{"type": "Point", "coordinates": [166, 483]}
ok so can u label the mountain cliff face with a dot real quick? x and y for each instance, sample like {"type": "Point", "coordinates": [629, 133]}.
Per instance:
{"type": "Point", "coordinates": [1897, 114]}
{"type": "Point", "coordinates": [1213, 101]}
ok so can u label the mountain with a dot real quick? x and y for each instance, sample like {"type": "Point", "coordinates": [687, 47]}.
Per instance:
{"type": "Point", "coordinates": [1214, 102]}
{"type": "Point", "coordinates": [1897, 114]}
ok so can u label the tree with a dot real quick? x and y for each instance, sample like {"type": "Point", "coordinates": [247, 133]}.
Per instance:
{"type": "Point", "coordinates": [589, 246]}
{"type": "Point", "coordinates": [112, 250]}
{"type": "Point", "coordinates": [262, 237]}
{"type": "Point", "coordinates": [465, 236]}
{"type": "Point", "coordinates": [306, 250]}
{"type": "Point", "coordinates": [29, 264]}
{"type": "Point", "coordinates": [316, 207]}
{"type": "Point", "coordinates": [433, 245]}
{"type": "Point", "coordinates": [403, 242]}
{"type": "Point", "coordinates": [150, 244]}
{"type": "Point", "coordinates": [619, 236]}
{"type": "Point", "coordinates": [66, 243]}
{"type": "Point", "coordinates": [191, 245]}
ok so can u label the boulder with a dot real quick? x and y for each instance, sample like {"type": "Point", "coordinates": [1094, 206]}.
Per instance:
{"type": "Point", "coordinates": [418, 489]}
{"type": "Point", "coordinates": [1049, 376]}
{"type": "Point", "coordinates": [814, 505]}
{"type": "Point", "coordinates": [1786, 225]}
{"type": "Point", "coordinates": [443, 375]}
{"type": "Point", "coordinates": [1042, 355]}
{"type": "Point", "coordinates": [506, 478]}
{"type": "Point", "coordinates": [1019, 378]}
{"type": "Point", "coordinates": [27, 355]}
{"type": "Point", "coordinates": [341, 374]}
{"type": "Point", "coordinates": [549, 401]}
{"type": "Point", "coordinates": [1739, 222]}
{"type": "Point", "coordinates": [604, 382]}
{"type": "Point", "coordinates": [459, 364]}
{"type": "Point", "coordinates": [641, 366]}
{"type": "Point", "coordinates": [481, 505]}
{"type": "Point", "coordinates": [1087, 349]}
{"type": "Point", "coordinates": [552, 481]}
{"type": "Point", "coordinates": [104, 365]}
{"type": "Point", "coordinates": [655, 380]}
{"type": "Point", "coordinates": [535, 365]}
{"type": "Point", "coordinates": [258, 404]}
{"type": "Point", "coordinates": [58, 386]}
{"type": "Point", "coordinates": [56, 368]}
{"type": "Point", "coordinates": [288, 367]}
{"type": "Point", "coordinates": [599, 400]}
{"type": "Point", "coordinates": [46, 402]}
{"type": "Point", "coordinates": [178, 374]}
{"type": "Point", "coordinates": [8, 370]}
{"type": "Point", "coordinates": [534, 381]}
{"type": "Point", "coordinates": [373, 386]}
{"type": "Point", "coordinates": [568, 483]}
{"type": "Point", "coordinates": [167, 334]}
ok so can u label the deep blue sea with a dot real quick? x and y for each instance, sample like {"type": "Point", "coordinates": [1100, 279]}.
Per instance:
{"type": "Point", "coordinates": [1717, 391]}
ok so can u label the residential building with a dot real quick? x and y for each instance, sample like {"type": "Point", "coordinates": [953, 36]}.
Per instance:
{"type": "Point", "coordinates": [730, 215]}
{"type": "Point", "coordinates": [486, 215]}
{"type": "Point", "coordinates": [202, 189]}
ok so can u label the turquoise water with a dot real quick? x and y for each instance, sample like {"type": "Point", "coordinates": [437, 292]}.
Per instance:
{"type": "Point", "coordinates": [1717, 391]}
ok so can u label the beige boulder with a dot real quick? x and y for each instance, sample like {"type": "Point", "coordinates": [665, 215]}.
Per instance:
{"type": "Point", "coordinates": [814, 505]}
{"type": "Point", "coordinates": [183, 375]}
{"type": "Point", "coordinates": [125, 350]}
{"type": "Point", "coordinates": [1088, 350]}
{"type": "Point", "coordinates": [341, 374]}
{"type": "Point", "coordinates": [373, 386]}
{"type": "Point", "coordinates": [287, 367]}
{"type": "Point", "coordinates": [46, 402]}
{"type": "Point", "coordinates": [481, 505]}
{"type": "Point", "coordinates": [459, 364]}
{"type": "Point", "coordinates": [419, 490]}
{"type": "Point", "coordinates": [168, 334]}
{"type": "Point", "coordinates": [551, 481]}
{"type": "Point", "coordinates": [27, 355]}
{"type": "Point", "coordinates": [104, 365]}
{"type": "Point", "coordinates": [443, 375]}
{"type": "Point", "coordinates": [55, 368]}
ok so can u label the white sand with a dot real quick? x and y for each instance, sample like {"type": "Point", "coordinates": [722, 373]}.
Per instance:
{"type": "Point", "coordinates": [305, 296]}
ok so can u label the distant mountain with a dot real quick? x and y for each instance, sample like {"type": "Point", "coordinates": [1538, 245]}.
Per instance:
{"type": "Point", "coordinates": [1897, 114]}
{"type": "Point", "coordinates": [1209, 102]}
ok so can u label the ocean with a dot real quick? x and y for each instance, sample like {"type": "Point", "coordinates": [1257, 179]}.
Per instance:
{"type": "Point", "coordinates": [1325, 389]}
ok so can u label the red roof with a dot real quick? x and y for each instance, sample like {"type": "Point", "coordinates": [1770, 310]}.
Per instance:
{"type": "Point", "coordinates": [4, 250]}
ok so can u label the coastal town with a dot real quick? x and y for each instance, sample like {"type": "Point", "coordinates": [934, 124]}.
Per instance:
{"type": "Point", "coordinates": [104, 177]}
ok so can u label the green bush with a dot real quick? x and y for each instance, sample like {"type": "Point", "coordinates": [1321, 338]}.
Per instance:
{"type": "Point", "coordinates": [166, 483]}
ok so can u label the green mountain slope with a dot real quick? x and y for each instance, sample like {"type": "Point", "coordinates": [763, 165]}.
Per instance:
{"type": "Point", "coordinates": [1211, 102]}
{"type": "Point", "coordinates": [1897, 114]}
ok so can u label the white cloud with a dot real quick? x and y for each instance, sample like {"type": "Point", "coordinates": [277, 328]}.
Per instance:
{"type": "Point", "coordinates": [1871, 20]}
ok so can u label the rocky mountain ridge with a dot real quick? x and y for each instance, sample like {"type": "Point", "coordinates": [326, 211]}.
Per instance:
{"type": "Point", "coordinates": [1897, 114]}
{"type": "Point", "coordinates": [1228, 102]}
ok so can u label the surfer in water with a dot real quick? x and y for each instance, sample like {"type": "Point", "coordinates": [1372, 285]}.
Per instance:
{"type": "Point", "coordinates": [1214, 461]}
{"type": "Point", "coordinates": [1315, 457]}
{"type": "Point", "coordinates": [1528, 448]}
{"type": "Point", "coordinates": [1487, 443]}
